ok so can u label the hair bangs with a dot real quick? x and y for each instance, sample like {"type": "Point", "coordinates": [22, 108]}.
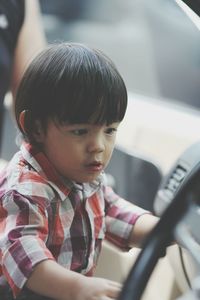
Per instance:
{"type": "Point", "coordinates": [102, 111]}
{"type": "Point", "coordinates": [93, 95]}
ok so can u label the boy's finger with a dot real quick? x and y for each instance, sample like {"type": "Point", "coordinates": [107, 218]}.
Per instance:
{"type": "Point", "coordinates": [114, 292]}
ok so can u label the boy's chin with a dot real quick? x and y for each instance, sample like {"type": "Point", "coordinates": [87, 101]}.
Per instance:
{"type": "Point", "coordinates": [88, 179]}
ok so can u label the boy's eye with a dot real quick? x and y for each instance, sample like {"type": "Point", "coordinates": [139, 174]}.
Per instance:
{"type": "Point", "coordinates": [79, 132]}
{"type": "Point", "coordinates": [111, 130]}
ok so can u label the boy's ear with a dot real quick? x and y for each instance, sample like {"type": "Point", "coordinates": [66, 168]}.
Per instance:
{"type": "Point", "coordinates": [38, 132]}
{"type": "Point", "coordinates": [22, 120]}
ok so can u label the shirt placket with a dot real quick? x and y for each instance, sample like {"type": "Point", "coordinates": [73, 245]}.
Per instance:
{"type": "Point", "coordinates": [87, 232]}
{"type": "Point", "coordinates": [88, 237]}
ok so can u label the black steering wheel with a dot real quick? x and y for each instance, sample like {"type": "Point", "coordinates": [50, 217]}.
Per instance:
{"type": "Point", "coordinates": [162, 235]}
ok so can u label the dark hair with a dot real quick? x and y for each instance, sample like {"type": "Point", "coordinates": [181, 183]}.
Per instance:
{"type": "Point", "coordinates": [70, 83]}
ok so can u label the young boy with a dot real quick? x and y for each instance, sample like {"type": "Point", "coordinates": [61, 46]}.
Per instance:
{"type": "Point", "coordinates": [55, 207]}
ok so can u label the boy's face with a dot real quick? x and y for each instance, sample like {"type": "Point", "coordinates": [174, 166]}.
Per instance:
{"type": "Point", "coordinates": [78, 152]}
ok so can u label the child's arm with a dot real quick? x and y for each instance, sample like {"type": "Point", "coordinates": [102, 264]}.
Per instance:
{"type": "Point", "coordinates": [52, 280]}
{"type": "Point", "coordinates": [142, 227]}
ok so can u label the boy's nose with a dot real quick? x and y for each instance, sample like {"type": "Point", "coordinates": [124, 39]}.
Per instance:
{"type": "Point", "coordinates": [96, 145]}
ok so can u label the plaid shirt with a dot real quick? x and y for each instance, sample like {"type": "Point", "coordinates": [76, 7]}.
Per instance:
{"type": "Point", "coordinates": [43, 216]}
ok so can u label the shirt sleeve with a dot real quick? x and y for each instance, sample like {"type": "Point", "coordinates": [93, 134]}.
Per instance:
{"type": "Point", "coordinates": [23, 234]}
{"type": "Point", "coordinates": [120, 217]}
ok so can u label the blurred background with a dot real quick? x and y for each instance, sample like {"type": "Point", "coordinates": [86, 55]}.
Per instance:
{"type": "Point", "coordinates": [154, 43]}
{"type": "Point", "coordinates": [156, 47]}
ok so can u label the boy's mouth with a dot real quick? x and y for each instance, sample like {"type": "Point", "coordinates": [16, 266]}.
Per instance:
{"type": "Point", "coordinates": [95, 166]}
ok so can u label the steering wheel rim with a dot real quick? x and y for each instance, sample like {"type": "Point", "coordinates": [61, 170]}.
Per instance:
{"type": "Point", "coordinates": [161, 236]}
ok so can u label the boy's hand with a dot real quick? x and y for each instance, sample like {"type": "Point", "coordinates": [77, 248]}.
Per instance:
{"type": "Point", "coordinates": [54, 281]}
{"type": "Point", "coordinates": [93, 288]}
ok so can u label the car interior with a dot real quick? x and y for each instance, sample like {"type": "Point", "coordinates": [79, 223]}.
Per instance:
{"type": "Point", "coordinates": [156, 161]}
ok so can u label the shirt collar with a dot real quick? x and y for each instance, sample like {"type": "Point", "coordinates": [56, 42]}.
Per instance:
{"type": "Point", "coordinates": [39, 162]}
{"type": "Point", "coordinates": [89, 188]}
